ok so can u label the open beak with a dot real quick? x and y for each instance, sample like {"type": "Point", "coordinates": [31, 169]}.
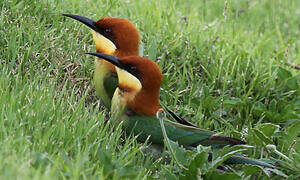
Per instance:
{"type": "Point", "coordinates": [112, 59]}
{"type": "Point", "coordinates": [90, 23]}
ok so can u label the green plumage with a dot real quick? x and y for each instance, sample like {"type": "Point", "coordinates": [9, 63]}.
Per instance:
{"type": "Point", "coordinates": [149, 125]}
{"type": "Point", "coordinates": [105, 83]}
{"type": "Point", "coordinates": [241, 159]}
{"type": "Point", "coordinates": [178, 130]}
{"type": "Point", "coordinates": [145, 126]}
{"type": "Point", "coordinates": [110, 84]}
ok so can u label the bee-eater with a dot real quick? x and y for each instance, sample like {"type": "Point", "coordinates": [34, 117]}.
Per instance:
{"type": "Point", "coordinates": [114, 36]}
{"type": "Point", "coordinates": [136, 103]}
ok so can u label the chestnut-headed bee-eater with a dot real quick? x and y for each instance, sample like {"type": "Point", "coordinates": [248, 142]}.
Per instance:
{"type": "Point", "coordinates": [136, 103]}
{"type": "Point", "coordinates": [114, 36]}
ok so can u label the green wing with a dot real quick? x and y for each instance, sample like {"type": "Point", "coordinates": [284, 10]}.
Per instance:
{"type": "Point", "coordinates": [105, 86]}
{"type": "Point", "coordinates": [186, 135]}
{"type": "Point", "coordinates": [145, 126]}
{"type": "Point", "coordinates": [110, 84]}
{"type": "Point", "coordinates": [148, 128]}
{"type": "Point", "coordinates": [105, 82]}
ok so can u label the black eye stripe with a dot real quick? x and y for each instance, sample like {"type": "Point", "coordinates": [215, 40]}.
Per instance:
{"type": "Point", "coordinates": [108, 33]}
{"type": "Point", "coordinates": [132, 70]}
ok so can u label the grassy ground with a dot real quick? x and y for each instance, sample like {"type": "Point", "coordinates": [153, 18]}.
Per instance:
{"type": "Point", "coordinates": [225, 69]}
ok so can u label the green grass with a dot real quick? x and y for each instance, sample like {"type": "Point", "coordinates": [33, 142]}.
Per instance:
{"type": "Point", "coordinates": [225, 69]}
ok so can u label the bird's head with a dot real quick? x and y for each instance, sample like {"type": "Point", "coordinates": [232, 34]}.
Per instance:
{"type": "Point", "coordinates": [139, 82]}
{"type": "Point", "coordinates": [115, 36]}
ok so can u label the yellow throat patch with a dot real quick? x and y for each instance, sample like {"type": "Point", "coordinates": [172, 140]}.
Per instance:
{"type": "Point", "coordinates": [103, 44]}
{"type": "Point", "coordinates": [130, 81]}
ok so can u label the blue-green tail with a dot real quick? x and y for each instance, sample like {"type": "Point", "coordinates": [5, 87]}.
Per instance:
{"type": "Point", "coordinates": [241, 159]}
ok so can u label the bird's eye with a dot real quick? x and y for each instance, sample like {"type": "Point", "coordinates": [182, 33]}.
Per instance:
{"type": "Point", "coordinates": [133, 68]}
{"type": "Point", "coordinates": [107, 30]}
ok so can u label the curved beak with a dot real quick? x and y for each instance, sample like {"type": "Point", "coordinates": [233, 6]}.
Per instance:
{"type": "Point", "coordinates": [112, 59]}
{"type": "Point", "coordinates": [90, 23]}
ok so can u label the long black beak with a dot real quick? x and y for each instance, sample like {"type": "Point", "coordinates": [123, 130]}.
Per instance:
{"type": "Point", "coordinates": [90, 23]}
{"type": "Point", "coordinates": [112, 59]}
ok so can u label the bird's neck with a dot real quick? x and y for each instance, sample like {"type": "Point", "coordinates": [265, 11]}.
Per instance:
{"type": "Point", "coordinates": [145, 102]}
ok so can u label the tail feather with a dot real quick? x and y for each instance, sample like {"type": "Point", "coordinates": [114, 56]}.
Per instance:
{"type": "Point", "coordinates": [241, 159]}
